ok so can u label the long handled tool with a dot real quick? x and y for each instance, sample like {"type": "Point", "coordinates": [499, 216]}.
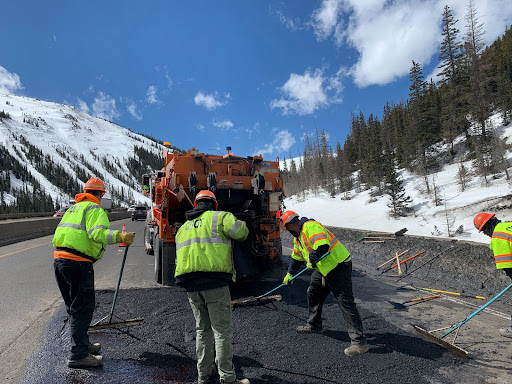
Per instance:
{"type": "Point", "coordinates": [426, 262]}
{"type": "Point", "coordinates": [451, 346]}
{"type": "Point", "coordinates": [110, 324]}
{"type": "Point", "coordinates": [401, 306]}
{"type": "Point", "coordinates": [397, 233]}
{"type": "Point", "coordinates": [265, 297]}
{"type": "Point", "coordinates": [390, 260]}
{"type": "Point", "coordinates": [402, 262]}
{"type": "Point", "coordinates": [453, 293]}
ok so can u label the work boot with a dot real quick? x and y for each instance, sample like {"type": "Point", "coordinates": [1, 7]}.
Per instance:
{"type": "Point", "coordinates": [308, 329]}
{"type": "Point", "coordinates": [237, 381]}
{"type": "Point", "coordinates": [506, 332]}
{"type": "Point", "coordinates": [86, 362]}
{"type": "Point", "coordinates": [357, 349]}
{"type": "Point", "coordinates": [208, 378]}
{"type": "Point", "coordinates": [94, 348]}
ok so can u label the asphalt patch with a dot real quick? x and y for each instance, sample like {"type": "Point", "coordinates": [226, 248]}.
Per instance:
{"type": "Point", "coordinates": [267, 348]}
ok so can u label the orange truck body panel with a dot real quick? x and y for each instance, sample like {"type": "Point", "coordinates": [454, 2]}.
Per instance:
{"type": "Point", "coordinates": [249, 187]}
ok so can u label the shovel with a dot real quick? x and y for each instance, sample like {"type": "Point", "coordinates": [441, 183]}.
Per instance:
{"type": "Point", "coordinates": [262, 299]}
{"type": "Point", "coordinates": [110, 324]}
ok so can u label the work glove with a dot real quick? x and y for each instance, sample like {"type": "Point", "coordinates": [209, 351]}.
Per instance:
{"type": "Point", "coordinates": [311, 265]}
{"type": "Point", "coordinates": [125, 237]}
{"type": "Point", "coordinates": [286, 280]}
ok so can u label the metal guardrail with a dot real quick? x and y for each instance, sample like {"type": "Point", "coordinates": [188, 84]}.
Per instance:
{"type": "Point", "coordinates": [26, 215]}
{"type": "Point", "coordinates": [6, 216]}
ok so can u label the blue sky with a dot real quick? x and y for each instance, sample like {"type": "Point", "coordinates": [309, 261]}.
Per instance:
{"type": "Point", "coordinates": [254, 75]}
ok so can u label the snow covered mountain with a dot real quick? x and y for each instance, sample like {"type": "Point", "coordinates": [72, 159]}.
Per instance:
{"type": "Point", "coordinates": [61, 146]}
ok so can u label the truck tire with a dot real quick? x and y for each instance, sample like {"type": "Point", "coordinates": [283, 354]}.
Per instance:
{"type": "Point", "coordinates": [148, 241]}
{"type": "Point", "coordinates": [157, 244]}
{"type": "Point", "coordinates": [168, 263]}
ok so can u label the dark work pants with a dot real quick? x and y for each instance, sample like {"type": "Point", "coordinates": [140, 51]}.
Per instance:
{"type": "Point", "coordinates": [339, 282]}
{"type": "Point", "coordinates": [76, 283]}
{"type": "Point", "coordinates": [508, 271]}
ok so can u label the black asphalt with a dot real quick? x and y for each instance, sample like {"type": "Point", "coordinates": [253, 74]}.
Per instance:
{"type": "Point", "coordinates": [266, 346]}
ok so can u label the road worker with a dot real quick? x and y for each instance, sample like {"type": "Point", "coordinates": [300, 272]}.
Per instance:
{"type": "Point", "coordinates": [332, 273]}
{"type": "Point", "coordinates": [204, 268]}
{"type": "Point", "coordinates": [79, 241]}
{"type": "Point", "coordinates": [501, 245]}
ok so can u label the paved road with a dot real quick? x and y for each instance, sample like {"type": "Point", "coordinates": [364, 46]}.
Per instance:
{"type": "Point", "coordinates": [30, 297]}
{"type": "Point", "coordinates": [29, 294]}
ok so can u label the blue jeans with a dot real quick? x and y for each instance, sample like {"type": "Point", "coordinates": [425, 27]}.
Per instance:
{"type": "Point", "coordinates": [76, 284]}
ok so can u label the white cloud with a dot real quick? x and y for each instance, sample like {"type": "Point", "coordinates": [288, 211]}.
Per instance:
{"type": "Point", "coordinates": [304, 94]}
{"type": "Point", "coordinates": [151, 97]}
{"type": "Point", "coordinates": [390, 34]}
{"type": "Point", "coordinates": [200, 127]}
{"type": "Point", "coordinates": [104, 106]}
{"type": "Point", "coordinates": [209, 101]}
{"type": "Point", "coordinates": [9, 82]}
{"type": "Point", "coordinates": [281, 143]}
{"type": "Point", "coordinates": [289, 23]}
{"type": "Point", "coordinates": [226, 124]}
{"type": "Point", "coordinates": [132, 108]}
{"type": "Point", "coordinates": [325, 20]}
{"type": "Point", "coordinates": [82, 105]}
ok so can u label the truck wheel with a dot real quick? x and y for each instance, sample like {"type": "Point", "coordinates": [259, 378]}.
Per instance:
{"type": "Point", "coordinates": [148, 245]}
{"type": "Point", "coordinates": [168, 263]}
{"type": "Point", "coordinates": [158, 259]}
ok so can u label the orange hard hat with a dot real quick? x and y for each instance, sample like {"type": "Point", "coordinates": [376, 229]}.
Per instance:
{"type": "Point", "coordinates": [287, 217]}
{"type": "Point", "coordinates": [481, 219]}
{"type": "Point", "coordinates": [94, 184]}
{"type": "Point", "coordinates": [206, 195]}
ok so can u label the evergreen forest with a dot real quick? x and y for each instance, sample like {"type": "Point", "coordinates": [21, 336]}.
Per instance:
{"type": "Point", "coordinates": [475, 82]}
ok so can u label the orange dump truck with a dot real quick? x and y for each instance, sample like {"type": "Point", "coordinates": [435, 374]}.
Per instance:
{"type": "Point", "coordinates": [249, 187]}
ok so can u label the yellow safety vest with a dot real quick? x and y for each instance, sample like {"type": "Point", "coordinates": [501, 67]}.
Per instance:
{"type": "Point", "coordinates": [501, 245]}
{"type": "Point", "coordinates": [204, 243]}
{"type": "Point", "coordinates": [84, 228]}
{"type": "Point", "coordinates": [313, 235]}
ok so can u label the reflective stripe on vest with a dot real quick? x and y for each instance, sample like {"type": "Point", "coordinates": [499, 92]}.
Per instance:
{"type": "Point", "coordinates": [72, 231]}
{"type": "Point", "coordinates": [501, 245]}
{"type": "Point", "coordinates": [338, 253]}
{"type": "Point", "coordinates": [204, 244]}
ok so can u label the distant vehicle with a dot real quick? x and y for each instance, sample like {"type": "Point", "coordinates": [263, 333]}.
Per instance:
{"type": "Point", "coordinates": [132, 208]}
{"type": "Point", "coordinates": [106, 203]}
{"type": "Point", "coordinates": [60, 212]}
{"type": "Point", "coordinates": [139, 213]}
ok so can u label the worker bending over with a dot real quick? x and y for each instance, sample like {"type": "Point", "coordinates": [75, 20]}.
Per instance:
{"type": "Point", "coordinates": [331, 274]}
{"type": "Point", "coordinates": [501, 245]}
{"type": "Point", "coordinates": [204, 268]}
{"type": "Point", "coordinates": [79, 241]}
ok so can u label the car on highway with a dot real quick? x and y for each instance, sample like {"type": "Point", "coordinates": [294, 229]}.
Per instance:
{"type": "Point", "coordinates": [60, 212]}
{"type": "Point", "coordinates": [139, 212]}
{"type": "Point", "coordinates": [131, 208]}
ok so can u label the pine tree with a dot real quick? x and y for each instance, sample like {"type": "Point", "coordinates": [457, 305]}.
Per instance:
{"type": "Point", "coordinates": [399, 202]}
{"type": "Point", "coordinates": [474, 44]}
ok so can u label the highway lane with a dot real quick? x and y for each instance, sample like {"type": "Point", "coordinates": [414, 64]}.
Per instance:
{"type": "Point", "coordinates": [29, 294]}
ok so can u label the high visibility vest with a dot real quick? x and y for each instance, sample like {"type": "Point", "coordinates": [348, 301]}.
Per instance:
{"type": "Point", "coordinates": [84, 228]}
{"type": "Point", "coordinates": [313, 235]}
{"type": "Point", "coordinates": [204, 243]}
{"type": "Point", "coordinates": [501, 245]}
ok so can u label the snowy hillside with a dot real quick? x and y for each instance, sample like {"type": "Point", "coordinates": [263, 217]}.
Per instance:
{"type": "Point", "coordinates": [80, 143]}
{"type": "Point", "coordinates": [456, 210]}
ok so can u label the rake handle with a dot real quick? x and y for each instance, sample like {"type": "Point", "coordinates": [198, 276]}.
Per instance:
{"type": "Point", "coordinates": [118, 283]}
{"type": "Point", "coordinates": [476, 312]}
{"type": "Point", "coordinates": [293, 278]}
